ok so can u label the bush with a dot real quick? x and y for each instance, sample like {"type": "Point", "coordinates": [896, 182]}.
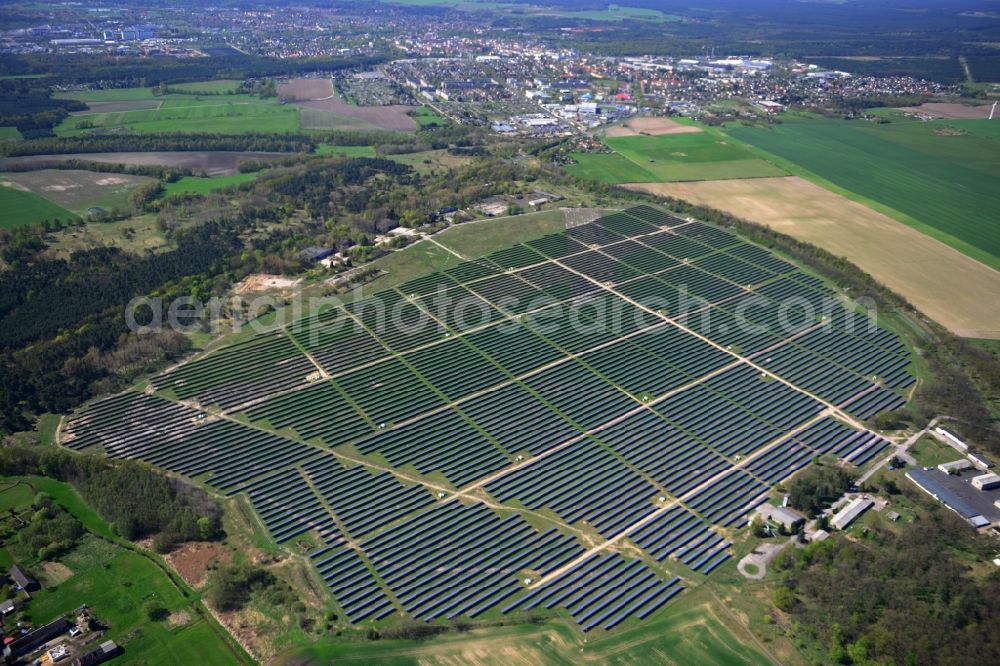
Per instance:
{"type": "Point", "coordinates": [155, 612]}
{"type": "Point", "coordinates": [233, 585]}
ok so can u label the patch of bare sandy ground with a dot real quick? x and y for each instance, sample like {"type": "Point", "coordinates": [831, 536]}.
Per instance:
{"type": "Point", "coordinates": [651, 127]}
{"type": "Point", "coordinates": [259, 282]}
{"type": "Point", "coordinates": [950, 111]}
{"type": "Point", "coordinates": [318, 94]}
{"type": "Point", "coordinates": [946, 285]}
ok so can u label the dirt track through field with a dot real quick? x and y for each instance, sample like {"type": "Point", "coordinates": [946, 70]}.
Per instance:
{"type": "Point", "coordinates": [946, 285]}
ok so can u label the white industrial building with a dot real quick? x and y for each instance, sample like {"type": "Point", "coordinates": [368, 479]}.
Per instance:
{"type": "Point", "coordinates": [843, 518]}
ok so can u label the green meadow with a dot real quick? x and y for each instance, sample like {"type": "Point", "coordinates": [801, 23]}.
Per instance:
{"type": "Point", "coordinates": [195, 185]}
{"type": "Point", "coordinates": [939, 176]}
{"type": "Point", "coordinates": [682, 634]}
{"type": "Point", "coordinates": [20, 207]}
{"type": "Point", "coordinates": [224, 114]}
{"type": "Point", "coordinates": [428, 117]}
{"type": "Point", "coordinates": [706, 155]}
{"type": "Point", "coordinates": [217, 86]}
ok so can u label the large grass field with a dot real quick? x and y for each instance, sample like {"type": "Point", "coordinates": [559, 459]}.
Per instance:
{"type": "Point", "coordinates": [195, 185]}
{"type": "Point", "coordinates": [227, 114]}
{"type": "Point", "coordinates": [428, 117]}
{"type": "Point", "coordinates": [472, 239]}
{"type": "Point", "coordinates": [346, 151]}
{"type": "Point", "coordinates": [706, 155]}
{"type": "Point", "coordinates": [475, 239]}
{"type": "Point", "coordinates": [117, 584]}
{"type": "Point", "coordinates": [939, 177]}
{"type": "Point", "coordinates": [20, 207]}
{"type": "Point", "coordinates": [217, 86]}
{"type": "Point", "coordinates": [684, 634]}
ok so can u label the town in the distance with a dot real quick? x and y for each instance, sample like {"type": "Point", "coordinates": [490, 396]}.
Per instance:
{"type": "Point", "coordinates": [467, 332]}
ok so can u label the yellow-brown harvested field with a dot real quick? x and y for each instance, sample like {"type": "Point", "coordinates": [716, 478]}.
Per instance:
{"type": "Point", "coordinates": [651, 127]}
{"type": "Point", "coordinates": [951, 111]}
{"type": "Point", "coordinates": [946, 285]}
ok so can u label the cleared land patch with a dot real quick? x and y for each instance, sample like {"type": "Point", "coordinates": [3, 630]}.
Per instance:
{"type": "Point", "coordinates": [948, 286]}
{"type": "Point", "coordinates": [942, 183]}
{"type": "Point", "coordinates": [652, 127]}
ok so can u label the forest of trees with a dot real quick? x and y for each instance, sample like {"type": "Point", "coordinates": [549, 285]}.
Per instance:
{"type": "Point", "coordinates": [50, 531]}
{"type": "Point", "coordinates": [28, 105]}
{"type": "Point", "coordinates": [896, 598]}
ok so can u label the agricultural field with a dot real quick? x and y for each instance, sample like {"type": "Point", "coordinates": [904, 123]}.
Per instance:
{"type": "Point", "coordinates": [195, 185]}
{"type": "Point", "coordinates": [211, 162]}
{"type": "Point", "coordinates": [20, 206]}
{"type": "Point", "coordinates": [388, 431]}
{"type": "Point", "coordinates": [938, 177]}
{"type": "Point", "coordinates": [946, 285]}
{"type": "Point", "coordinates": [322, 108]}
{"type": "Point", "coordinates": [671, 155]}
{"type": "Point", "coordinates": [9, 134]}
{"type": "Point", "coordinates": [218, 86]}
{"type": "Point", "coordinates": [79, 191]}
{"type": "Point", "coordinates": [346, 151]}
{"type": "Point", "coordinates": [651, 127]}
{"type": "Point", "coordinates": [225, 114]}
{"type": "Point", "coordinates": [323, 119]}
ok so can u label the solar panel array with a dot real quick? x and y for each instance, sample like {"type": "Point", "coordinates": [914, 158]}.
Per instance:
{"type": "Point", "coordinates": [641, 377]}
